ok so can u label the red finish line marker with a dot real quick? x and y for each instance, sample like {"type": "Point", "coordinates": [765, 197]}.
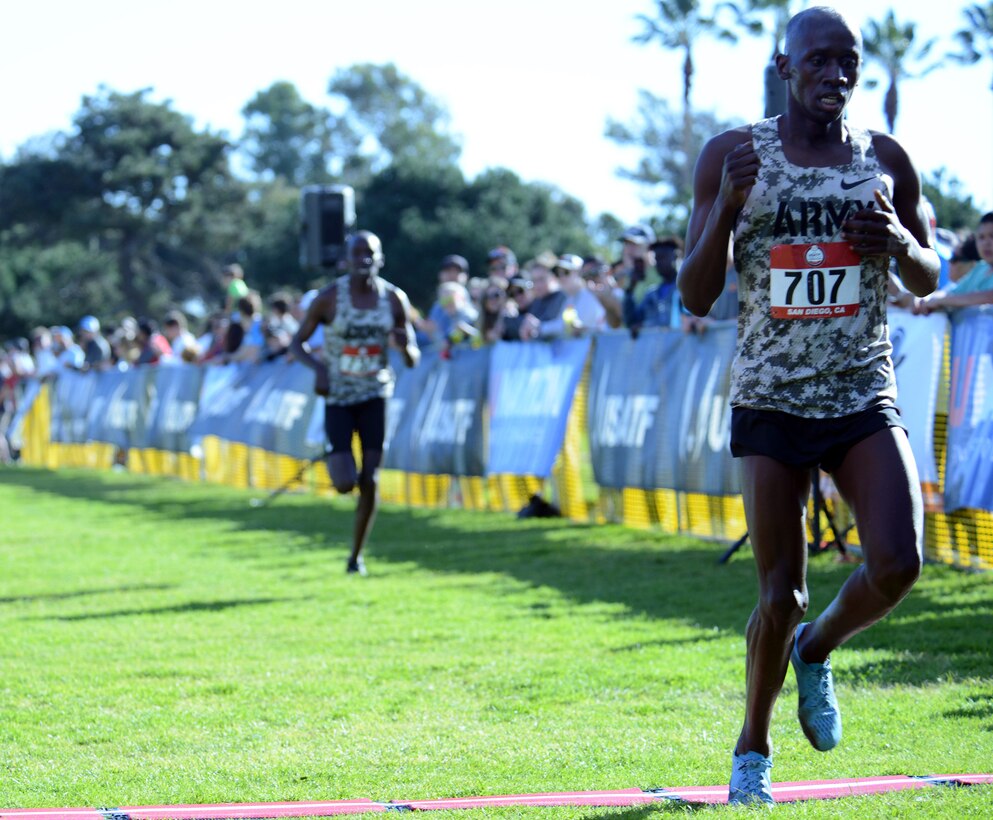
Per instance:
{"type": "Point", "coordinates": [783, 792]}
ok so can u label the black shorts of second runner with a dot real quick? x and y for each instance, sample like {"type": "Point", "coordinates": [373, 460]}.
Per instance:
{"type": "Point", "coordinates": [368, 418]}
{"type": "Point", "coordinates": [803, 442]}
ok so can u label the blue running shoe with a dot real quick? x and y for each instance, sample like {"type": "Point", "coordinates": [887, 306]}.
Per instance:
{"type": "Point", "coordinates": [751, 779]}
{"type": "Point", "coordinates": [818, 711]}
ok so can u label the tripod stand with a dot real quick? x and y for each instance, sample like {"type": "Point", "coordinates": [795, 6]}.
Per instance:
{"type": "Point", "coordinates": [817, 545]}
{"type": "Point", "coordinates": [262, 502]}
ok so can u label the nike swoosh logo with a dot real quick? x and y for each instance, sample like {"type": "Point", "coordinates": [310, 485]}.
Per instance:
{"type": "Point", "coordinates": [847, 186]}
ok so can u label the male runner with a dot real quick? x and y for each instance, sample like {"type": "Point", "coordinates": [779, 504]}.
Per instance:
{"type": "Point", "coordinates": [364, 314]}
{"type": "Point", "coordinates": [816, 209]}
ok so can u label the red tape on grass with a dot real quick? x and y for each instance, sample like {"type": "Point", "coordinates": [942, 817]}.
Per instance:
{"type": "Point", "coordinates": [783, 792]}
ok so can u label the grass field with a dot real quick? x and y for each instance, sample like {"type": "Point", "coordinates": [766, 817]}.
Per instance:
{"type": "Point", "coordinates": [163, 642]}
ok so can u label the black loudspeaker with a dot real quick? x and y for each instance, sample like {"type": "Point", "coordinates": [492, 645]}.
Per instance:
{"type": "Point", "coordinates": [776, 91]}
{"type": "Point", "coordinates": [327, 217]}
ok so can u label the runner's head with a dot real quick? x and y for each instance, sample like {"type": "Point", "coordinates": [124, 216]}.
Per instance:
{"type": "Point", "coordinates": [365, 253]}
{"type": "Point", "coordinates": [821, 63]}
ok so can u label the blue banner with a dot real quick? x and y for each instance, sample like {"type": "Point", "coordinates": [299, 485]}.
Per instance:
{"type": "Point", "coordinates": [266, 405]}
{"type": "Point", "coordinates": [658, 411]}
{"type": "Point", "coordinates": [531, 387]}
{"type": "Point", "coordinates": [435, 417]}
{"type": "Point", "coordinates": [174, 395]}
{"type": "Point", "coordinates": [969, 470]}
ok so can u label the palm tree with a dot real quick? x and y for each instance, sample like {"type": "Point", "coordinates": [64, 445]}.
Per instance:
{"type": "Point", "coordinates": [678, 25]}
{"type": "Point", "coordinates": [892, 46]}
{"type": "Point", "coordinates": [978, 34]}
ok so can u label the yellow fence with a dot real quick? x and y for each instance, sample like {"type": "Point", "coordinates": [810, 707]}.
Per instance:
{"type": "Point", "coordinates": [963, 538]}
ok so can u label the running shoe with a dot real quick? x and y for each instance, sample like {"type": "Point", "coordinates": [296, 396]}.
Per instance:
{"type": "Point", "coordinates": [356, 566]}
{"type": "Point", "coordinates": [751, 779]}
{"type": "Point", "coordinates": [818, 711]}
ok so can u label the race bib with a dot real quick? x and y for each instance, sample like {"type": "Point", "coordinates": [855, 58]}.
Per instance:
{"type": "Point", "coordinates": [360, 360]}
{"type": "Point", "coordinates": [818, 281]}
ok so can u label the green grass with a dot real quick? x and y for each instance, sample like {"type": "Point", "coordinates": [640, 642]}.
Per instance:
{"type": "Point", "coordinates": [163, 642]}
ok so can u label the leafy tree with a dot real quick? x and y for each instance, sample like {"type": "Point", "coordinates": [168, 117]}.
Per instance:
{"type": "Point", "coordinates": [390, 110]}
{"type": "Point", "coordinates": [288, 137]}
{"type": "Point", "coordinates": [679, 25]}
{"type": "Point", "coordinates": [976, 39]}
{"type": "Point", "coordinates": [953, 207]}
{"type": "Point", "coordinates": [892, 45]}
{"type": "Point", "coordinates": [666, 152]}
{"type": "Point", "coordinates": [133, 196]}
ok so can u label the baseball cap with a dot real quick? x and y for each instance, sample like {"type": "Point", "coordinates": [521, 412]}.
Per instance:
{"type": "Point", "coordinates": [453, 260]}
{"type": "Point", "coordinates": [569, 262]}
{"type": "Point", "coordinates": [502, 253]}
{"type": "Point", "coordinates": [89, 324]}
{"type": "Point", "coordinates": [639, 235]}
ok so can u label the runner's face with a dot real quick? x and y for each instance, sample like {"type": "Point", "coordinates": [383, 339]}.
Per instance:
{"type": "Point", "coordinates": [364, 256]}
{"type": "Point", "coordinates": [825, 67]}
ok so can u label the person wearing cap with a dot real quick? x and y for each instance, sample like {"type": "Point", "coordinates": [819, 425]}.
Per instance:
{"type": "Point", "coordinates": [502, 261]}
{"type": "Point", "coordinates": [600, 281]}
{"type": "Point", "coordinates": [583, 312]}
{"type": "Point", "coordinates": [96, 349]}
{"type": "Point", "coordinates": [363, 316]}
{"type": "Point", "coordinates": [439, 323]}
{"type": "Point", "coordinates": [67, 352]}
{"type": "Point", "coordinates": [660, 306]}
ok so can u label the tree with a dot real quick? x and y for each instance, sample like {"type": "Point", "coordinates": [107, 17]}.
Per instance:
{"type": "Point", "coordinates": [399, 117]}
{"type": "Point", "coordinates": [288, 137]}
{"type": "Point", "coordinates": [976, 39]}
{"type": "Point", "coordinates": [666, 151]}
{"type": "Point", "coordinates": [953, 208]}
{"type": "Point", "coordinates": [679, 25]}
{"type": "Point", "coordinates": [134, 196]}
{"type": "Point", "coordinates": [892, 46]}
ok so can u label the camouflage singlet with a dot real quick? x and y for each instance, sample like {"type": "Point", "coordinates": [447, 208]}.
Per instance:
{"type": "Point", "coordinates": [356, 344]}
{"type": "Point", "coordinates": [812, 333]}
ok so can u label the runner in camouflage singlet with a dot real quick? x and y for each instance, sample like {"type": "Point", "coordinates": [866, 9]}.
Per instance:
{"type": "Point", "coordinates": [816, 210]}
{"type": "Point", "coordinates": [812, 328]}
{"type": "Point", "coordinates": [363, 315]}
{"type": "Point", "coordinates": [356, 344]}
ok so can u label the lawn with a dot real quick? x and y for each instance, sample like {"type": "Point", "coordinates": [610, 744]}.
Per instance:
{"type": "Point", "coordinates": [164, 642]}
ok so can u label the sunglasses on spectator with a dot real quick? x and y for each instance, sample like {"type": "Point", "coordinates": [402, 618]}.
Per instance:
{"type": "Point", "coordinates": [494, 294]}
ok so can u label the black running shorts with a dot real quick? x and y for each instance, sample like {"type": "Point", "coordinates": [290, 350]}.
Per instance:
{"type": "Point", "coordinates": [803, 442]}
{"type": "Point", "coordinates": [367, 418]}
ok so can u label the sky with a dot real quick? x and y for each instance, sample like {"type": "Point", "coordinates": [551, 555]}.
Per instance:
{"type": "Point", "coordinates": [529, 84]}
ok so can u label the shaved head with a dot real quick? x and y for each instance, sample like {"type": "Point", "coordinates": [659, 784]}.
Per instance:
{"type": "Point", "coordinates": [803, 22]}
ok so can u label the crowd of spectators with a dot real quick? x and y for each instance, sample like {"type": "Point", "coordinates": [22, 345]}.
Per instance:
{"type": "Point", "coordinates": [554, 295]}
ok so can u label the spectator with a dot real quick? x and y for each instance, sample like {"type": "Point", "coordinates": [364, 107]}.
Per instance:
{"type": "Point", "coordinates": [211, 342]}
{"type": "Point", "coordinates": [502, 261]}
{"type": "Point", "coordinates": [519, 292]}
{"type": "Point", "coordinates": [183, 343]}
{"type": "Point", "coordinates": [583, 311]}
{"type": "Point", "coordinates": [476, 287]}
{"type": "Point", "coordinates": [67, 352]}
{"type": "Point", "coordinates": [124, 343]}
{"type": "Point", "coordinates": [964, 257]}
{"type": "Point", "coordinates": [637, 259]}
{"type": "Point", "coordinates": [660, 306]}
{"type": "Point", "coordinates": [244, 341]}
{"type": "Point", "coordinates": [973, 288]}
{"type": "Point", "coordinates": [600, 280]}
{"type": "Point", "coordinates": [542, 318]}
{"type": "Point", "coordinates": [277, 340]}
{"type": "Point", "coordinates": [458, 322]}
{"type": "Point", "coordinates": [152, 345]}
{"type": "Point", "coordinates": [96, 349]}
{"type": "Point", "coordinates": [46, 363]}
{"type": "Point", "coordinates": [233, 279]}
{"type": "Point", "coordinates": [496, 307]}
{"type": "Point", "coordinates": [440, 322]}
{"type": "Point", "coordinates": [281, 314]}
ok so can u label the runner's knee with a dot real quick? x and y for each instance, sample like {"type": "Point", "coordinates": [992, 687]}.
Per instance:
{"type": "Point", "coordinates": [783, 607]}
{"type": "Point", "coordinates": [893, 577]}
